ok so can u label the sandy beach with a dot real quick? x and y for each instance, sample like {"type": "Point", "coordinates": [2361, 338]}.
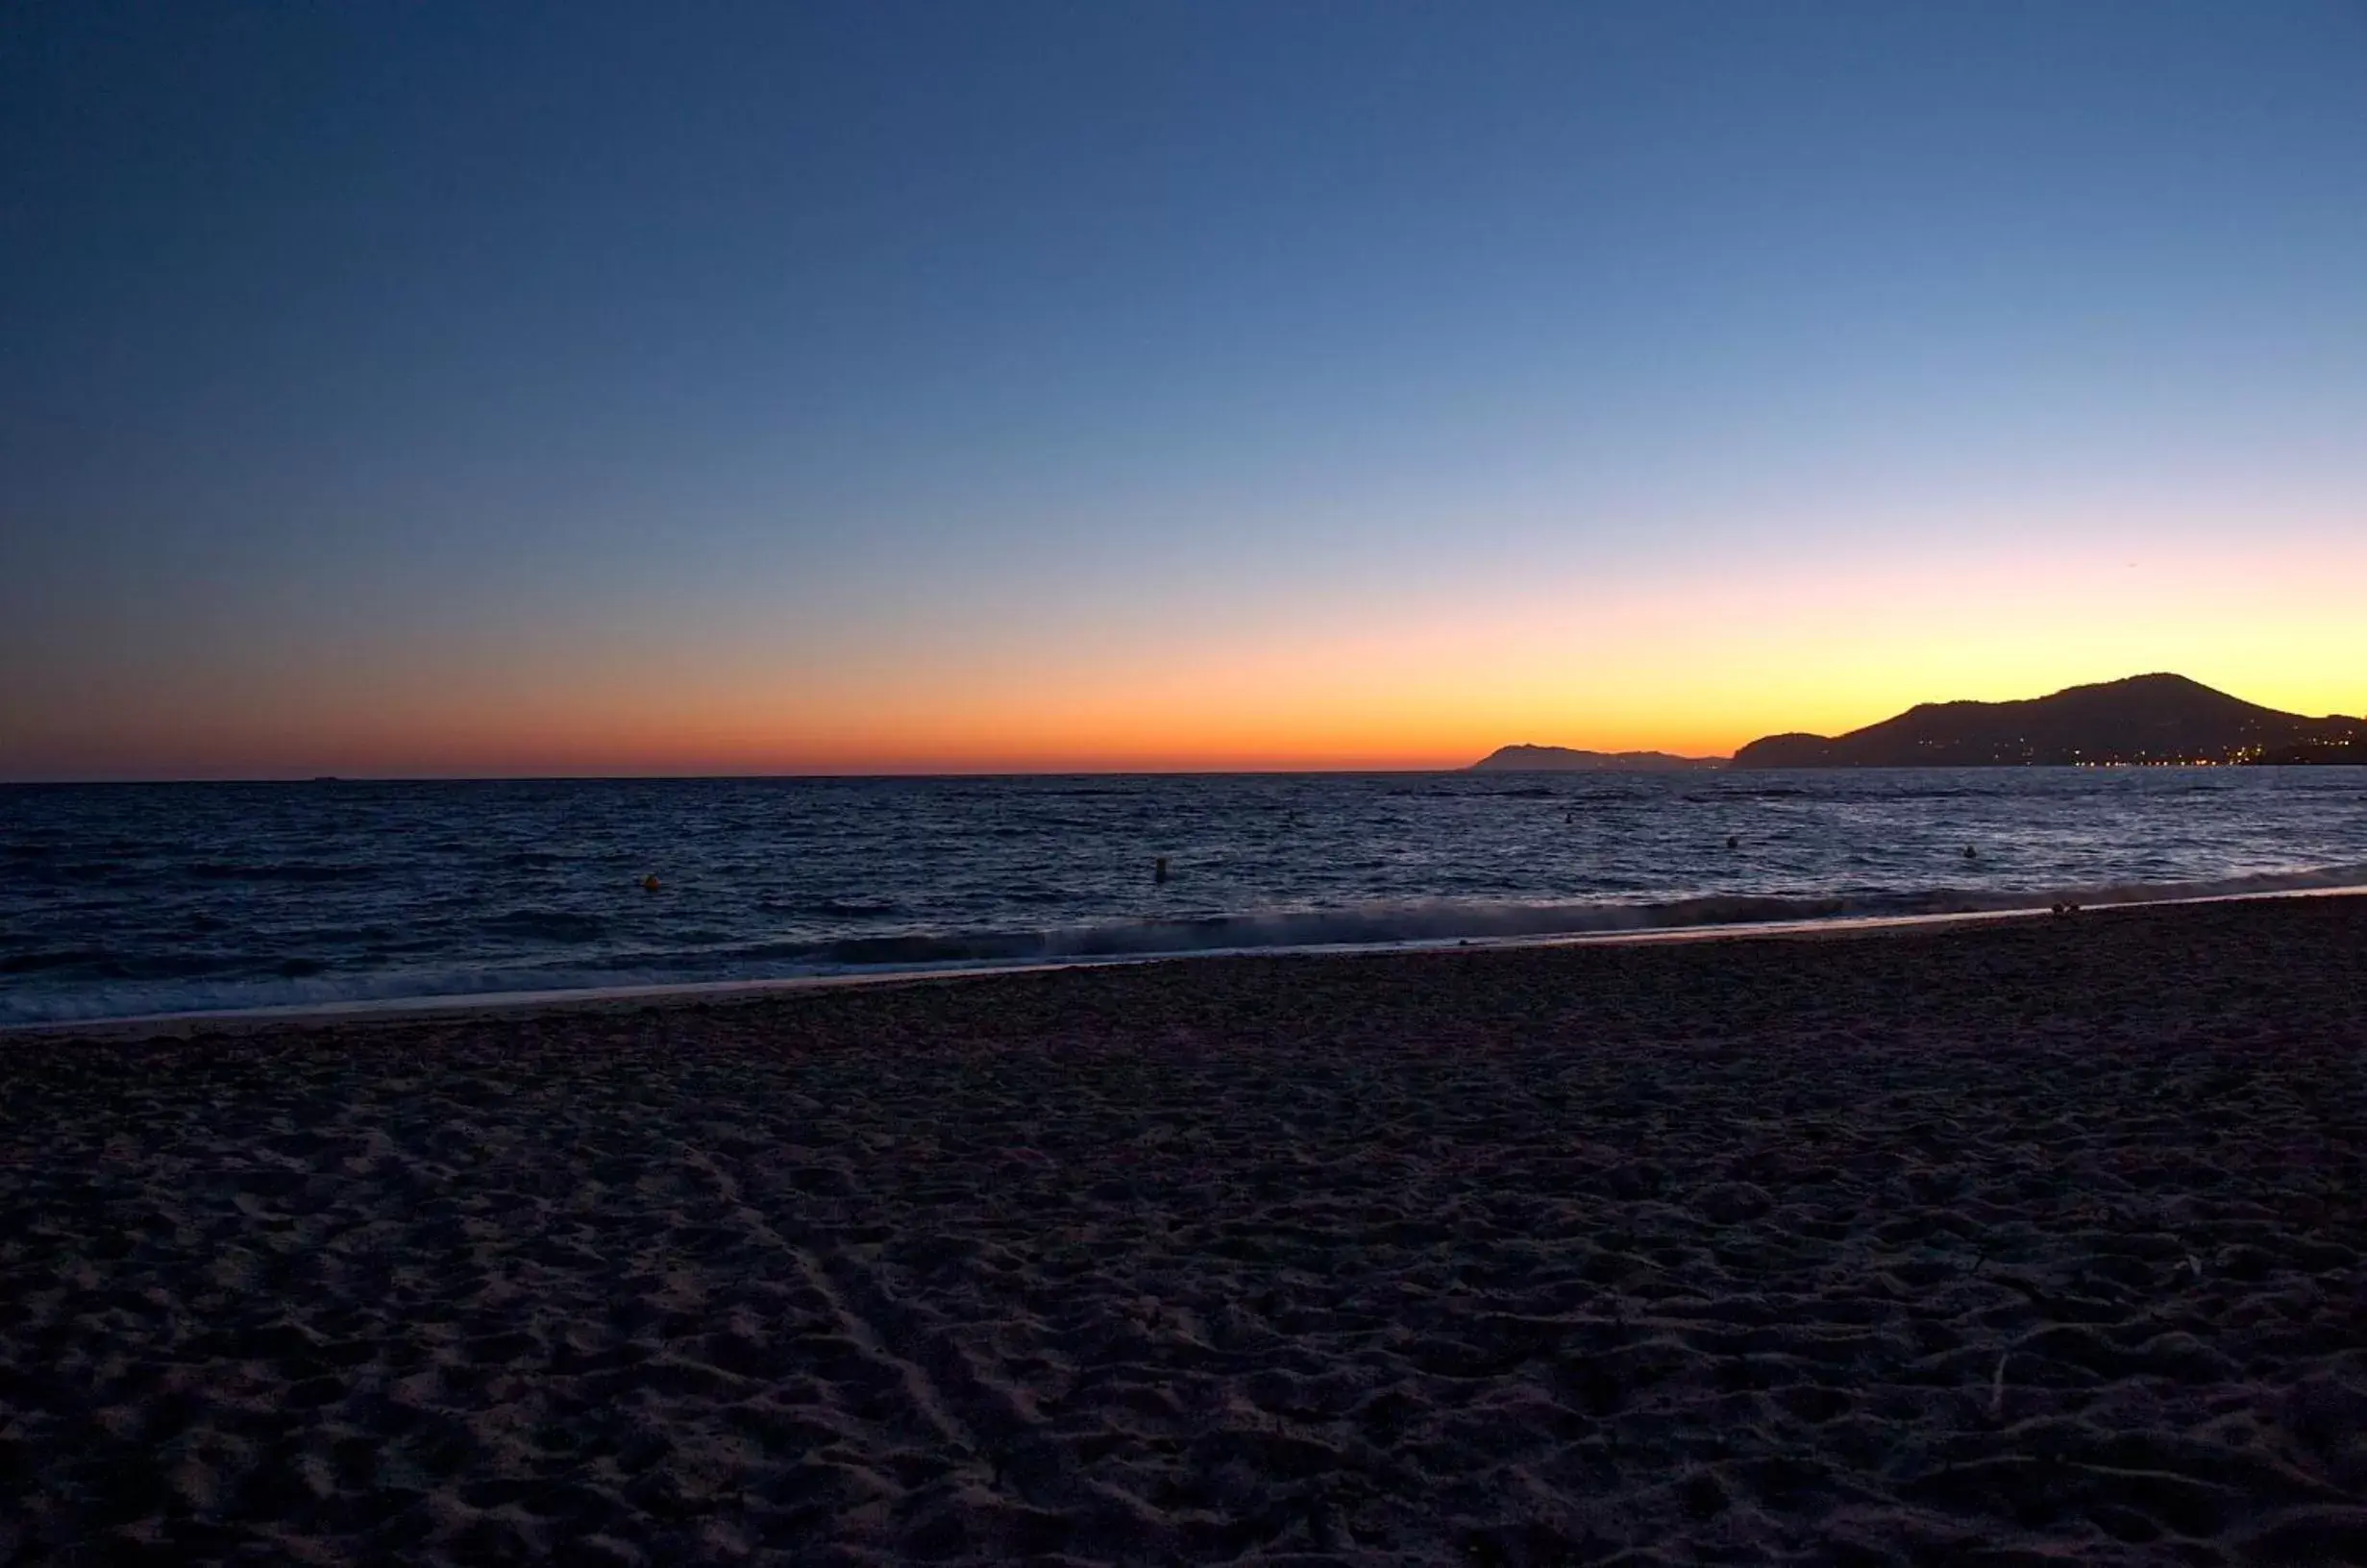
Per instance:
{"type": "Point", "coordinates": [2030, 1243]}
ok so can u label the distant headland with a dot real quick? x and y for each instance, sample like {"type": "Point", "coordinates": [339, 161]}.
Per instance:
{"type": "Point", "coordinates": [1563, 759]}
{"type": "Point", "coordinates": [2157, 720]}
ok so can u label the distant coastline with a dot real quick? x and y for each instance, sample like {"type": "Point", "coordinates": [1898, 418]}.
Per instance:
{"type": "Point", "coordinates": [1563, 759]}
{"type": "Point", "coordinates": [2143, 720]}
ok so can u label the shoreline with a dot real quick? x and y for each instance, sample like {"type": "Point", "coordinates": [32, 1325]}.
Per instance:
{"type": "Point", "coordinates": [463, 1006]}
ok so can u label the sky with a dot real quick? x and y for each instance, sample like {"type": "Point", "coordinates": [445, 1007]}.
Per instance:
{"type": "Point", "coordinates": [427, 388]}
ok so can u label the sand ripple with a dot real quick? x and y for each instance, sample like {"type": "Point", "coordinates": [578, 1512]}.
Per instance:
{"type": "Point", "coordinates": [2002, 1246]}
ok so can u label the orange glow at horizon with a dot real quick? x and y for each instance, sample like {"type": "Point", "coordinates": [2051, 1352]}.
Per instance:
{"type": "Point", "coordinates": [1690, 667]}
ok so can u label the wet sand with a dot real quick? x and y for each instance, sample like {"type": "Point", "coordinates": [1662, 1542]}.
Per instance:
{"type": "Point", "coordinates": [2025, 1242]}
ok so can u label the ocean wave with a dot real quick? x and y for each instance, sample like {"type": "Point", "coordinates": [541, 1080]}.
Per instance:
{"type": "Point", "coordinates": [1400, 923]}
{"type": "Point", "coordinates": [291, 871]}
{"type": "Point", "coordinates": [849, 909]}
{"type": "Point", "coordinates": [58, 958]}
{"type": "Point", "coordinates": [108, 964]}
{"type": "Point", "coordinates": [166, 982]}
{"type": "Point", "coordinates": [546, 925]}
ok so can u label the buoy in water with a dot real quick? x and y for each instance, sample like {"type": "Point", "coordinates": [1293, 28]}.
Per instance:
{"type": "Point", "coordinates": [648, 883]}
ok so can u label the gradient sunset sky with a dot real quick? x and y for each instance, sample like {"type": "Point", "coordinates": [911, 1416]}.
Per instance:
{"type": "Point", "coordinates": [495, 388]}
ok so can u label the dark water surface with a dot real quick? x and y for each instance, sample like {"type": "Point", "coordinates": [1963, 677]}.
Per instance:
{"type": "Point", "coordinates": [123, 899]}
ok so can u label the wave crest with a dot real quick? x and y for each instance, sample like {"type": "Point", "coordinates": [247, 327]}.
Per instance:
{"type": "Point", "coordinates": [1373, 927]}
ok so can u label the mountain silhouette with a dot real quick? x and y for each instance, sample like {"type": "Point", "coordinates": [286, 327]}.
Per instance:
{"type": "Point", "coordinates": [2143, 719]}
{"type": "Point", "coordinates": [1563, 759]}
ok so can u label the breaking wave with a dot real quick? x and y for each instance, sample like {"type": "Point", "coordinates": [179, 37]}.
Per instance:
{"type": "Point", "coordinates": [1399, 924]}
{"type": "Point", "coordinates": [1437, 920]}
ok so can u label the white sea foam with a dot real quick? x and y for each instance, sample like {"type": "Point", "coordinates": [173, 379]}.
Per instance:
{"type": "Point", "coordinates": [1431, 928]}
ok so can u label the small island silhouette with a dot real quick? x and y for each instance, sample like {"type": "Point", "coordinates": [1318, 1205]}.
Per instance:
{"type": "Point", "coordinates": [2155, 719]}
{"type": "Point", "coordinates": [1563, 759]}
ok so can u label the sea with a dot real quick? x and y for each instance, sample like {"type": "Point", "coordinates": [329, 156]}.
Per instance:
{"type": "Point", "coordinates": [123, 900]}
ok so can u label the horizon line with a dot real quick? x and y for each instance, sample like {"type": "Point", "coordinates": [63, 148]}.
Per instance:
{"type": "Point", "coordinates": [662, 777]}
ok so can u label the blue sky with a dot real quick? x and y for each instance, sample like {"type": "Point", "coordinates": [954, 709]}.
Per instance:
{"type": "Point", "coordinates": [736, 376]}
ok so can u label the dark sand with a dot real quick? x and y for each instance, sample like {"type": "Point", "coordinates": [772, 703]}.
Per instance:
{"type": "Point", "coordinates": [2025, 1243]}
